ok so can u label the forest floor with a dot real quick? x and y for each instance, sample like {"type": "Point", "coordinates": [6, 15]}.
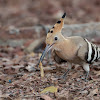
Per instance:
{"type": "Point", "coordinates": [20, 77]}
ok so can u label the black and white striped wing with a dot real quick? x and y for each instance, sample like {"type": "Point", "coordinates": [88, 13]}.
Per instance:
{"type": "Point", "coordinates": [93, 53]}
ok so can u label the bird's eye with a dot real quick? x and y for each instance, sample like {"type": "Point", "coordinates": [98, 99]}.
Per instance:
{"type": "Point", "coordinates": [56, 38]}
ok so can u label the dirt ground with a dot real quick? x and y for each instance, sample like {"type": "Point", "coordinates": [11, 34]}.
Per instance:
{"type": "Point", "coordinates": [32, 12]}
{"type": "Point", "coordinates": [19, 76]}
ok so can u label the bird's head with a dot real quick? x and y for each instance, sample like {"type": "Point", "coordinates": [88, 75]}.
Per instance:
{"type": "Point", "coordinates": [54, 35]}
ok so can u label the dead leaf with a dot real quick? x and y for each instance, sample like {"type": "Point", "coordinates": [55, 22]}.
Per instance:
{"type": "Point", "coordinates": [30, 68]}
{"type": "Point", "coordinates": [51, 89]}
{"type": "Point", "coordinates": [40, 55]}
{"type": "Point", "coordinates": [45, 97]}
{"type": "Point", "coordinates": [95, 91]}
{"type": "Point", "coordinates": [97, 73]}
{"type": "Point", "coordinates": [32, 54]}
{"type": "Point", "coordinates": [84, 92]}
{"type": "Point", "coordinates": [13, 69]}
{"type": "Point", "coordinates": [41, 69]}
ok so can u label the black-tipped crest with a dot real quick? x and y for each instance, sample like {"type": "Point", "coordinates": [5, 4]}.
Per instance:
{"type": "Point", "coordinates": [59, 22]}
{"type": "Point", "coordinates": [64, 15]}
{"type": "Point", "coordinates": [58, 26]}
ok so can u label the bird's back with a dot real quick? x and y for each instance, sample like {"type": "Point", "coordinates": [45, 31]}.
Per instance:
{"type": "Point", "coordinates": [79, 50]}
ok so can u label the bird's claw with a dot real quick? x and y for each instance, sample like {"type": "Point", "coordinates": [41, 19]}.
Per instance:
{"type": "Point", "coordinates": [85, 79]}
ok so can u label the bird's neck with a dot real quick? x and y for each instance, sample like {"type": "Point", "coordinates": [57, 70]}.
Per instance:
{"type": "Point", "coordinates": [61, 45]}
{"type": "Point", "coordinates": [66, 49]}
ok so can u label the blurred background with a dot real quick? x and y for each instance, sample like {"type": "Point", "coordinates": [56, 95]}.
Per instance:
{"type": "Point", "coordinates": [20, 19]}
{"type": "Point", "coordinates": [32, 12]}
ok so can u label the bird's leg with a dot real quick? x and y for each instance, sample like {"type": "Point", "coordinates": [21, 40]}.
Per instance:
{"type": "Point", "coordinates": [65, 74]}
{"type": "Point", "coordinates": [87, 69]}
{"type": "Point", "coordinates": [86, 76]}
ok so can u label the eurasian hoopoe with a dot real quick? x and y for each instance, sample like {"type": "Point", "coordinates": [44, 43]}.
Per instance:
{"type": "Point", "coordinates": [74, 49]}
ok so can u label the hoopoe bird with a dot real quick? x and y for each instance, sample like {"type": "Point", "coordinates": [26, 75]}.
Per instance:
{"type": "Point", "coordinates": [73, 50]}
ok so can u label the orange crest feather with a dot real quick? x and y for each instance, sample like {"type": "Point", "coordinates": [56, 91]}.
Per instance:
{"type": "Point", "coordinates": [58, 26]}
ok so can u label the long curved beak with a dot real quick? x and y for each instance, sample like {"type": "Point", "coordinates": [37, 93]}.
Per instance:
{"type": "Point", "coordinates": [47, 48]}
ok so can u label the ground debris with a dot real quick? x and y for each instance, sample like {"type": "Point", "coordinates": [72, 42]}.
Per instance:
{"type": "Point", "coordinates": [20, 78]}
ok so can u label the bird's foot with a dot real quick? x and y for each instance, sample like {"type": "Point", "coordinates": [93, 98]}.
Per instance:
{"type": "Point", "coordinates": [61, 77]}
{"type": "Point", "coordinates": [86, 80]}
{"type": "Point", "coordinates": [64, 75]}
{"type": "Point", "coordinates": [50, 63]}
{"type": "Point", "coordinates": [86, 77]}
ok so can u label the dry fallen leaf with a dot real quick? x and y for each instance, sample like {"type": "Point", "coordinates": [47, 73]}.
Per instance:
{"type": "Point", "coordinates": [97, 73]}
{"type": "Point", "coordinates": [95, 91]}
{"type": "Point", "coordinates": [30, 68]}
{"type": "Point", "coordinates": [41, 69]}
{"type": "Point", "coordinates": [46, 97]}
{"type": "Point", "coordinates": [51, 89]}
{"type": "Point", "coordinates": [40, 55]}
{"type": "Point", "coordinates": [32, 54]}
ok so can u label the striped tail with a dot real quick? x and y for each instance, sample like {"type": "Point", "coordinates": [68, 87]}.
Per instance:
{"type": "Point", "coordinates": [93, 53]}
